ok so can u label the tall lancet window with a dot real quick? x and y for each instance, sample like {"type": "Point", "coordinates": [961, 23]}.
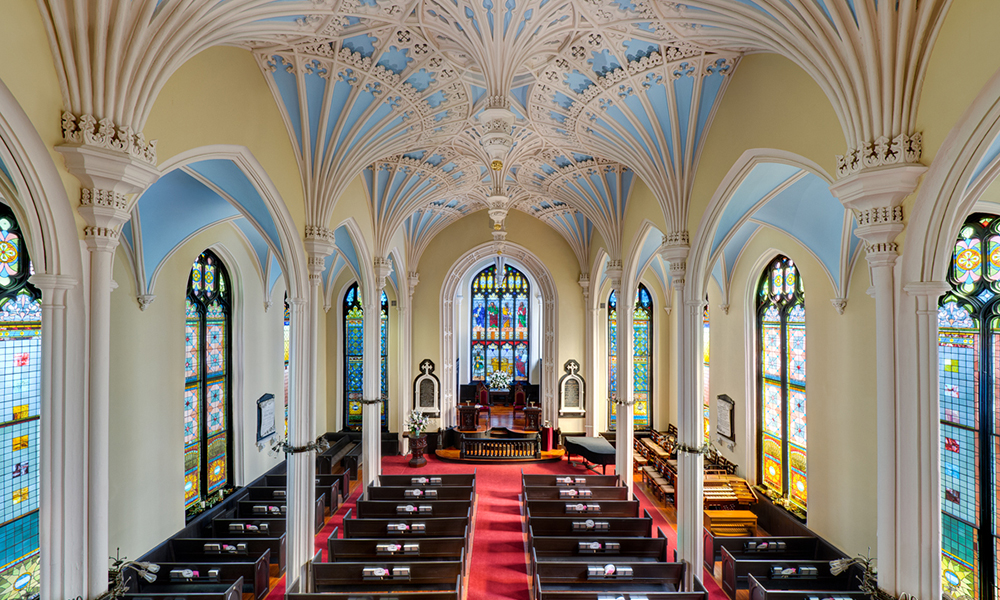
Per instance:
{"type": "Point", "coordinates": [207, 404]}
{"type": "Point", "coordinates": [20, 413]}
{"type": "Point", "coordinates": [968, 361]}
{"type": "Point", "coordinates": [781, 321]}
{"type": "Point", "coordinates": [501, 307]}
{"type": "Point", "coordinates": [706, 399]}
{"type": "Point", "coordinates": [354, 358]}
{"type": "Point", "coordinates": [642, 357]}
{"type": "Point", "coordinates": [287, 328]}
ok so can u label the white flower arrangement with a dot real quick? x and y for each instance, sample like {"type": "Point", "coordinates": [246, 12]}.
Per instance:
{"type": "Point", "coordinates": [500, 380]}
{"type": "Point", "coordinates": [416, 422]}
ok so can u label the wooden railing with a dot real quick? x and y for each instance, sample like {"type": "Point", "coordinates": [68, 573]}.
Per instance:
{"type": "Point", "coordinates": [491, 448]}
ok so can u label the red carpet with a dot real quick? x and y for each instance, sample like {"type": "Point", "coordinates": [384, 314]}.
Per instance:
{"type": "Point", "coordinates": [498, 568]}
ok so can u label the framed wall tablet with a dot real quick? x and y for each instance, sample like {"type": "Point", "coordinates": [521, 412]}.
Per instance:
{"type": "Point", "coordinates": [427, 390]}
{"type": "Point", "coordinates": [265, 417]}
{"type": "Point", "coordinates": [725, 426]}
{"type": "Point", "coordinates": [572, 391]}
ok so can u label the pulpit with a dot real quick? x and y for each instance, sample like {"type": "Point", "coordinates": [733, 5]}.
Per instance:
{"type": "Point", "coordinates": [468, 417]}
{"type": "Point", "coordinates": [532, 418]}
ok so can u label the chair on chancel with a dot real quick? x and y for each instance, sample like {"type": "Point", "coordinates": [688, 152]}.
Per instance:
{"type": "Point", "coordinates": [520, 400]}
{"type": "Point", "coordinates": [483, 402]}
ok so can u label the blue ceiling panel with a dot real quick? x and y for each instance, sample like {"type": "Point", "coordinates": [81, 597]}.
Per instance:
{"type": "Point", "coordinates": [257, 242]}
{"type": "Point", "coordinates": [234, 182]}
{"type": "Point", "coordinates": [991, 155]}
{"type": "Point", "coordinates": [760, 182]}
{"type": "Point", "coordinates": [275, 274]}
{"type": "Point", "coordinates": [392, 274]}
{"type": "Point", "coordinates": [6, 172]}
{"type": "Point", "coordinates": [285, 81]}
{"type": "Point", "coordinates": [710, 86]}
{"type": "Point", "coordinates": [315, 92]}
{"type": "Point", "coordinates": [718, 276]}
{"type": "Point", "coordinates": [736, 244]}
{"type": "Point", "coordinates": [649, 248]}
{"type": "Point", "coordinates": [808, 212]}
{"type": "Point", "coordinates": [346, 247]}
{"type": "Point", "coordinates": [172, 209]}
{"type": "Point", "coordinates": [683, 92]}
{"type": "Point", "coordinates": [127, 234]}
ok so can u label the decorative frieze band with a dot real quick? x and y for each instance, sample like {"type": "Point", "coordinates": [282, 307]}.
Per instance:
{"type": "Point", "coordinates": [103, 198]}
{"type": "Point", "coordinates": [107, 233]}
{"type": "Point", "coordinates": [319, 233]}
{"type": "Point", "coordinates": [882, 215]}
{"type": "Point", "coordinates": [86, 129]}
{"type": "Point", "coordinates": [902, 149]}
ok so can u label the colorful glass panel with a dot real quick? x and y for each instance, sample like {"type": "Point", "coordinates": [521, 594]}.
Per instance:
{"type": "Point", "coordinates": [642, 333]}
{"type": "Point", "coordinates": [354, 348]}
{"type": "Point", "coordinates": [500, 313]}
{"type": "Point", "coordinates": [10, 251]}
{"type": "Point", "coordinates": [782, 384]}
{"type": "Point", "coordinates": [206, 381]}
{"type": "Point", "coordinates": [969, 344]}
{"type": "Point", "coordinates": [287, 329]}
{"type": "Point", "coordinates": [706, 407]}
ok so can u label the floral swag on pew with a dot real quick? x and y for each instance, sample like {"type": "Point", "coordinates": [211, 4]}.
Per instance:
{"type": "Point", "coordinates": [281, 445]}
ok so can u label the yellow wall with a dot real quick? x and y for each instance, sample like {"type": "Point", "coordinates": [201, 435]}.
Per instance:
{"type": "Point", "coordinates": [841, 410]}
{"type": "Point", "coordinates": [147, 389]}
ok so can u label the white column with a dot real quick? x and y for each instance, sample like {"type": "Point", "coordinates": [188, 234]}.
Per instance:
{"type": "Point", "coordinates": [875, 197]}
{"type": "Point", "coordinates": [63, 559]}
{"type": "Point", "coordinates": [918, 564]}
{"type": "Point", "coordinates": [690, 428]}
{"type": "Point", "coordinates": [588, 357]}
{"type": "Point", "coordinates": [623, 377]}
{"type": "Point", "coordinates": [406, 400]}
{"type": "Point", "coordinates": [371, 425]}
{"type": "Point", "coordinates": [301, 467]}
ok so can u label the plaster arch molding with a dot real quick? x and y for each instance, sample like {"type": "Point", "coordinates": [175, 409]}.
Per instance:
{"type": "Point", "coordinates": [548, 351]}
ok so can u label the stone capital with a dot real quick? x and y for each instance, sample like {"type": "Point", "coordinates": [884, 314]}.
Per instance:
{"type": "Point", "coordinates": [382, 268]}
{"type": "Point", "coordinates": [106, 169]}
{"type": "Point", "coordinates": [584, 282]}
{"type": "Point", "coordinates": [874, 196]}
{"type": "Point", "coordinates": [615, 272]}
{"type": "Point", "coordinates": [412, 279]}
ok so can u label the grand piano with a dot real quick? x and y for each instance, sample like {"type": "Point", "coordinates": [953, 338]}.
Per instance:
{"type": "Point", "coordinates": [596, 450]}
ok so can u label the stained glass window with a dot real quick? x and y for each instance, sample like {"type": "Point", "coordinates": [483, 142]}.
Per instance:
{"type": "Point", "coordinates": [20, 404]}
{"type": "Point", "coordinates": [969, 344]}
{"type": "Point", "coordinates": [354, 359]}
{"type": "Point", "coordinates": [207, 403]}
{"type": "Point", "coordinates": [706, 400]}
{"type": "Point", "coordinates": [781, 321]}
{"type": "Point", "coordinates": [642, 357]}
{"type": "Point", "coordinates": [288, 339]}
{"type": "Point", "coordinates": [501, 308]}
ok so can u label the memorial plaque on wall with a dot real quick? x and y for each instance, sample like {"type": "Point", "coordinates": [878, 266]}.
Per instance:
{"type": "Point", "coordinates": [571, 394]}
{"type": "Point", "coordinates": [426, 399]}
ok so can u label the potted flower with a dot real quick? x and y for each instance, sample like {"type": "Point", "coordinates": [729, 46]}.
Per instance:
{"type": "Point", "coordinates": [416, 423]}
{"type": "Point", "coordinates": [500, 380]}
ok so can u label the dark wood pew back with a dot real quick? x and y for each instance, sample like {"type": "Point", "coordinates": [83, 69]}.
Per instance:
{"type": "Point", "coordinates": [248, 509]}
{"type": "Point", "coordinates": [736, 544]}
{"type": "Point", "coordinates": [546, 591]}
{"type": "Point", "coordinates": [574, 493]}
{"type": "Point", "coordinates": [589, 480]}
{"type": "Point", "coordinates": [460, 479]}
{"type": "Point", "coordinates": [189, 591]}
{"type": "Point", "coordinates": [842, 586]}
{"type": "Point", "coordinates": [598, 526]}
{"type": "Point", "coordinates": [381, 509]}
{"type": "Point", "coordinates": [342, 481]}
{"type": "Point", "coordinates": [736, 568]}
{"type": "Point", "coordinates": [431, 576]}
{"type": "Point", "coordinates": [420, 493]}
{"type": "Point", "coordinates": [266, 527]}
{"type": "Point", "coordinates": [193, 549]}
{"type": "Point", "coordinates": [432, 528]}
{"type": "Point", "coordinates": [255, 576]}
{"type": "Point", "coordinates": [590, 508]}
{"type": "Point", "coordinates": [398, 550]}
{"type": "Point", "coordinates": [633, 549]}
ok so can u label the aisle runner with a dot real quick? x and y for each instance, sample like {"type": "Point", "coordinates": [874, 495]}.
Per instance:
{"type": "Point", "coordinates": [498, 568]}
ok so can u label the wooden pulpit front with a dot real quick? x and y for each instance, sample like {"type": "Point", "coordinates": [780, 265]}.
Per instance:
{"type": "Point", "coordinates": [532, 418]}
{"type": "Point", "coordinates": [468, 417]}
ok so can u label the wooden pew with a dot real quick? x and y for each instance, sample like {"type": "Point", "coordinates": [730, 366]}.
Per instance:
{"type": "Point", "coordinates": [383, 509]}
{"type": "Point", "coordinates": [574, 493]}
{"type": "Point", "coordinates": [714, 545]}
{"type": "Point", "coordinates": [421, 493]}
{"type": "Point", "coordinates": [279, 494]}
{"type": "Point", "coordinates": [600, 508]}
{"type": "Point", "coordinates": [250, 508]}
{"type": "Point", "coordinates": [587, 526]}
{"type": "Point", "coordinates": [395, 550]}
{"type": "Point", "coordinates": [193, 549]}
{"type": "Point", "coordinates": [189, 591]}
{"type": "Point", "coordinates": [842, 586]}
{"type": "Point", "coordinates": [589, 481]}
{"type": "Point", "coordinates": [460, 479]}
{"type": "Point", "coordinates": [615, 550]}
{"type": "Point", "coordinates": [254, 577]}
{"type": "Point", "coordinates": [327, 483]}
{"type": "Point", "coordinates": [646, 578]}
{"type": "Point", "coordinates": [380, 528]}
{"type": "Point", "coordinates": [266, 527]}
{"type": "Point", "coordinates": [348, 580]}
{"type": "Point", "coordinates": [737, 565]}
